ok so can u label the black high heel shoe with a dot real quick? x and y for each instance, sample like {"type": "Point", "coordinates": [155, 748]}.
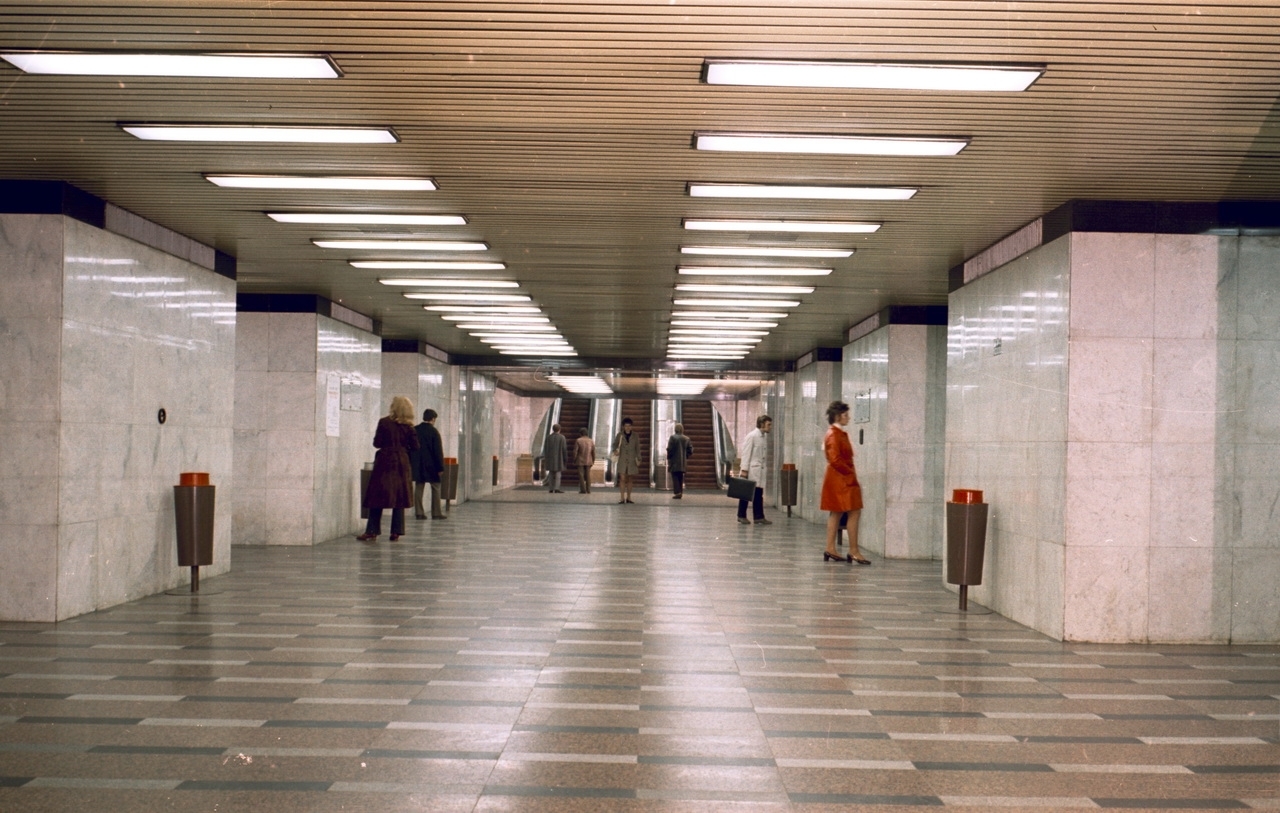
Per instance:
{"type": "Point", "coordinates": [835, 557]}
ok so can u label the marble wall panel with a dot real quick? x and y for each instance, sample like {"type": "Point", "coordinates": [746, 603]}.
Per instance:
{"type": "Point", "coordinates": [815, 387]}
{"type": "Point", "coordinates": [1257, 269]}
{"type": "Point", "coordinates": [1183, 495]}
{"type": "Point", "coordinates": [1110, 383]}
{"type": "Point", "coordinates": [1106, 593]}
{"type": "Point", "coordinates": [1254, 600]}
{"type": "Point", "coordinates": [1185, 302]}
{"type": "Point", "coordinates": [865, 373]}
{"type": "Point", "coordinates": [481, 434]}
{"type": "Point", "coordinates": [1112, 285]}
{"type": "Point", "coordinates": [1182, 595]}
{"type": "Point", "coordinates": [1108, 495]}
{"type": "Point", "coordinates": [292, 344]}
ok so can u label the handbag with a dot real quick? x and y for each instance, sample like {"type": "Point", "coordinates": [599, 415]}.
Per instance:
{"type": "Point", "coordinates": [741, 488]}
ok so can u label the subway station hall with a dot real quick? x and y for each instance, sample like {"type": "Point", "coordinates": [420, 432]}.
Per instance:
{"type": "Point", "coordinates": [640, 406]}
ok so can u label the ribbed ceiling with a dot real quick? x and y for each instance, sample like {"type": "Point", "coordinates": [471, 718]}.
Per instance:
{"type": "Point", "coordinates": [562, 131]}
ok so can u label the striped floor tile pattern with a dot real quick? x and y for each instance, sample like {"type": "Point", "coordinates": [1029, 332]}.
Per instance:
{"type": "Point", "coordinates": [572, 655]}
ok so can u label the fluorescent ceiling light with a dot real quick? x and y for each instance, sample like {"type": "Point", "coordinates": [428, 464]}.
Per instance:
{"type": "Point", "coordinates": [740, 341]}
{"type": "Point", "coordinates": [468, 297]}
{"type": "Point", "coordinates": [682, 354]}
{"type": "Point", "coordinates": [427, 265]}
{"type": "Point", "coordinates": [800, 226]}
{"type": "Point", "coordinates": [451, 283]}
{"type": "Point", "coordinates": [231, 66]}
{"type": "Point", "coordinates": [520, 339]}
{"type": "Point", "coordinates": [477, 309]}
{"type": "Point", "coordinates": [363, 219]}
{"type": "Point", "coordinates": [830, 145]}
{"type": "Point", "coordinates": [682, 386]}
{"type": "Point", "coordinates": [871, 75]}
{"type": "Point", "coordinates": [581, 383]}
{"type": "Point", "coordinates": [533, 351]}
{"type": "Point", "coordinates": [751, 271]}
{"type": "Point", "coordinates": [728, 315]}
{"type": "Point", "coordinates": [403, 245]}
{"type": "Point", "coordinates": [779, 191]}
{"type": "Point", "coordinates": [683, 332]}
{"type": "Point", "coordinates": [766, 251]}
{"type": "Point", "coordinates": [261, 133]}
{"type": "Point", "coordinates": [737, 303]}
{"type": "Point", "coordinates": [541, 332]}
{"type": "Point", "coordinates": [746, 325]}
{"type": "Point", "coordinates": [348, 183]}
{"type": "Point", "coordinates": [744, 289]}
{"type": "Point", "coordinates": [496, 319]}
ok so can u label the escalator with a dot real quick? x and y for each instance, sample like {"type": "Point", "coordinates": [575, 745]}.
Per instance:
{"type": "Point", "coordinates": [697, 419]}
{"type": "Point", "coordinates": [574, 415]}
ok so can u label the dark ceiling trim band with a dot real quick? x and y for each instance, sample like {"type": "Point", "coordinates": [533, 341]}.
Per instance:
{"type": "Point", "coordinates": [1227, 218]}
{"type": "Point", "coordinates": [60, 198]}
{"type": "Point", "coordinates": [414, 346]}
{"type": "Point", "coordinates": [306, 303]}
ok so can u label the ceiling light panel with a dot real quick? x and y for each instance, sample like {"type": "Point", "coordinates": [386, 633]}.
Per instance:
{"type": "Point", "coordinates": [537, 353]}
{"type": "Point", "coordinates": [261, 134]}
{"type": "Point", "coordinates": [783, 192]}
{"type": "Point", "coordinates": [693, 287]}
{"type": "Point", "coordinates": [449, 283]}
{"type": "Point", "coordinates": [496, 319]}
{"type": "Point", "coordinates": [830, 145]}
{"type": "Point", "coordinates": [872, 75]}
{"type": "Point", "coordinates": [736, 303]}
{"type": "Point", "coordinates": [427, 265]}
{"type": "Point", "coordinates": [766, 251]}
{"type": "Point", "coordinates": [788, 226]}
{"type": "Point", "coordinates": [745, 325]}
{"type": "Point", "coordinates": [735, 314]}
{"type": "Point", "coordinates": [751, 271]}
{"type": "Point", "coordinates": [482, 309]}
{"type": "Point", "coordinates": [228, 66]}
{"type": "Point", "coordinates": [681, 386]}
{"type": "Point", "coordinates": [682, 332]}
{"type": "Point", "coordinates": [467, 297]}
{"type": "Point", "coordinates": [367, 219]}
{"type": "Point", "coordinates": [402, 245]}
{"type": "Point", "coordinates": [323, 182]}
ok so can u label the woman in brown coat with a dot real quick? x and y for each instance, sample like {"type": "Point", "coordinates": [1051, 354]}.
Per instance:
{"type": "Point", "coordinates": [841, 493]}
{"type": "Point", "coordinates": [391, 483]}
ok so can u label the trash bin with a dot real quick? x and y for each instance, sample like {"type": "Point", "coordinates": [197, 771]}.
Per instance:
{"type": "Point", "coordinates": [788, 485]}
{"type": "Point", "coordinates": [495, 470]}
{"type": "Point", "coordinates": [193, 502]}
{"type": "Point", "coordinates": [449, 480]}
{"type": "Point", "coordinates": [660, 477]}
{"type": "Point", "coordinates": [966, 540]}
{"type": "Point", "coordinates": [365, 474]}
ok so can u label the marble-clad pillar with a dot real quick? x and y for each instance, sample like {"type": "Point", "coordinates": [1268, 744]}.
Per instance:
{"type": "Point", "coordinates": [98, 333]}
{"type": "Point", "coordinates": [814, 385]}
{"type": "Point", "coordinates": [894, 380]}
{"type": "Point", "coordinates": [1112, 392]}
{"type": "Point", "coordinates": [307, 389]}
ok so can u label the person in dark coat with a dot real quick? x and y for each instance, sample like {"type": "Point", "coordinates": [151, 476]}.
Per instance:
{"type": "Point", "coordinates": [554, 452]}
{"type": "Point", "coordinates": [391, 482]}
{"type": "Point", "coordinates": [427, 463]}
{"type": "Point", "coordinates": [679, 450]}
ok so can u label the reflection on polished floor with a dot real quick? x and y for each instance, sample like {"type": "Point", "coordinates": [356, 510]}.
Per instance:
{"type": "Point", "coordinates": [567, 654]}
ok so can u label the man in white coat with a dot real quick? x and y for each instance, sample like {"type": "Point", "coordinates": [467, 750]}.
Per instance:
{"type": "Point", "coordinates": [752, 455]}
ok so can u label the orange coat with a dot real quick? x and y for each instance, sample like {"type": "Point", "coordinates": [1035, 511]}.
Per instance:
{"type": "Point", "coordinates": [840, 489]}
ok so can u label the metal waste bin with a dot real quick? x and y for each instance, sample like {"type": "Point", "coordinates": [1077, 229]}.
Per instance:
{"type": "Point", "coordinates": [495, 470]}
{"type": "Point", "coordinates": [193, 503]}
{"type": "Point", "coordinates": [788, 485]}
{"type": "Point", "coordinates": [966, 540]}
{"type": "Point", "coordinates": [449, 480]}
{"type": "Point", "coordinates": [660, 477]}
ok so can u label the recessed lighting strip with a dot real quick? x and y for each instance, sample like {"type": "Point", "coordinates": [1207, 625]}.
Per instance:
{"type": "Point", "coordinates": [353, 183]}
{"type": "Point", "coordinates": [366, 219]}
{"type": "Point", "coordinates": [227, 66]}
{"type": "Point", "coordinates": [782, 192]}
{"type": "Point", "coordinates": [751, 271]}
{"type": "Point", "coordinates": [252, 133]}
{"type": "Point", "coordinates": [871, 75]}
{"type": "Point", "coordinates": [830, 144]}
{"type": "Point", "coordinates": [766, 251]}
{"type": "Point", "coordinates": [787, 226]}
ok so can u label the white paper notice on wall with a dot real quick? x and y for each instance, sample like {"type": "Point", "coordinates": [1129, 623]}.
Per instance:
{"type": "Point", "coordinates": [862, 407]}
{"type": "Point", "coordinates": [332, 403]}
{"type": "Point", "coordinates": [352, 395]}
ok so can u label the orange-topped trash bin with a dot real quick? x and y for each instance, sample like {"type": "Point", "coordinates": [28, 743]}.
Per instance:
{"type": "Point", "coordinates": [966, 540]}
{"type": "Point", "coordinates": [193, 503]}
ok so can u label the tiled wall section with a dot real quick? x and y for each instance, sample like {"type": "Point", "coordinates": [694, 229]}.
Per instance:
{"type": "Point", "coordinates": [100, 333]}
{"type": "Point", "coordinates": [294, 484]}
{"type": "Point", "coordinates": [480, 437]}
{"type": "Point", "coordinates": [1006, 422]}
{"type": "Point", "coordinates": [1248, 531]}
{"type": "Point", "coordinates": [899, 371]}
{"type": "Point", "coordinates": [430, 384]}
{"type": "Point", "coordinates": [809, 391]}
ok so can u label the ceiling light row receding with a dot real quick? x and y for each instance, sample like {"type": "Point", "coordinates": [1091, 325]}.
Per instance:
{"type": "Point", "coordinates": [582, 384]}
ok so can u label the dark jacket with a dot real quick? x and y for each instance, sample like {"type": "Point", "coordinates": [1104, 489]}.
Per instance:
{"type": "Point", "coordinates": [428, 460]}
{"type": "Point", "coordinates": [679, 450]}
{"type": "Point", "coordinates": [554, 452]}
{"type": "Point", "coordinates": [391, 482]}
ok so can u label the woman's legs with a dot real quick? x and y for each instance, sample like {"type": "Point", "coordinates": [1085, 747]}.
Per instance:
{"type": "Point", "coordinates": [833, 528]}
{"type": "Point", "coordinates": [374, 526]}
{"type": "Point", "coordinates": [624, 487]}
{"type": "Point", "coordinates": [853, 534]}
{"type": "Point", "coordinates": [397, 521]}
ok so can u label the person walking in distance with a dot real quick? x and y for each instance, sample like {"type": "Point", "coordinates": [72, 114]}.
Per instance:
{"type": "Point", "coordinates": [752, 454]}
{"type": "Point", "coordinates": [553, 453]}
{"type": "Point", "coordinates": [584, 455]}
{"type": "Point", "coordinates": [627, 447]}
{"type": "Point", "coordinates": [679, 450]}
{"type": "Point", "coordinates": [428, 463]}
{"type": "Point", "coordinates": [391, 481]}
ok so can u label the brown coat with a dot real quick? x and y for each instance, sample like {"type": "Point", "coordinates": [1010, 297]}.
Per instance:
{"type": "Point", "coordinates": [391, 483]}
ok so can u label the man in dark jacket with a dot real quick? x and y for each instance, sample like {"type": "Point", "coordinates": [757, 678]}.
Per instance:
{"type": "Point", "coordinates": [427, 462]}
{"type": "Point", "coordinates": [679, 450]}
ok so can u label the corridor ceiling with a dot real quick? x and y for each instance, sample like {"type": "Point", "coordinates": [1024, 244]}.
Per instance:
{"type": "Point", "coordinates": [564, 133]}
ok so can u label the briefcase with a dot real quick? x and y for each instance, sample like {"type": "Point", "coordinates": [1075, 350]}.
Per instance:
{"type": "Point", "coordinates": [741, 488]}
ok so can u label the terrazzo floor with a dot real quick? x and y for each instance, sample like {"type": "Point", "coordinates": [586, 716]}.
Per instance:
{"type": "Point", "coordinates": [541, 652]}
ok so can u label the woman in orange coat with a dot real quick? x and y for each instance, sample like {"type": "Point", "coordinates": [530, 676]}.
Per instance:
{"type": "Point", "coordinates": [841, 493]}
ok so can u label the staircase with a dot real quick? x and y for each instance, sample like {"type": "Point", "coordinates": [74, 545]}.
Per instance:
{"type": "Point", "coordinates": [574, 413]}
{"type": "Point", "coordinates": [640, 413]}
{"type": "Point", "coordinates": [700, 470]}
